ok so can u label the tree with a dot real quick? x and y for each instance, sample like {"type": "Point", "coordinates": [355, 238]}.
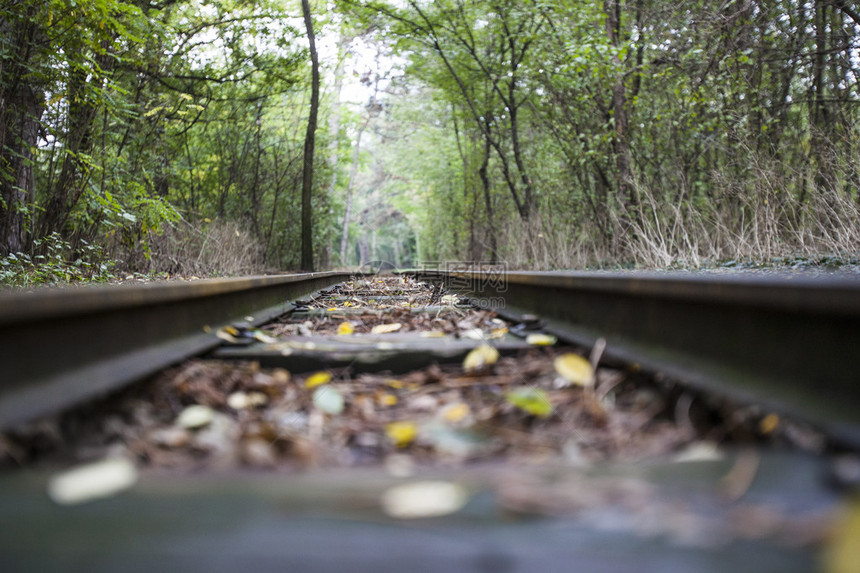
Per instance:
{"type": "Point", "coordinates": [308, 165]}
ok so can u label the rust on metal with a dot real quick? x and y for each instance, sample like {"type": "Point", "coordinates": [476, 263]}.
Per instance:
{"type": "Point", "coordinates": [60, 347]}
{"type": "Point", "coordinates": [779, 340]}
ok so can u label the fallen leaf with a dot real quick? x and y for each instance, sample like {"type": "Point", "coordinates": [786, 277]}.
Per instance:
{"type": "Point", "coordinates": [699, 452]}
{"type": "Point", "coordinates": [241, 400]}
{"type": "Point", "coordinates": [281, 375]}
{"type": "Point", "coordinates": [261, 336]}
{"type": "Point", "coordinates": [329, 400]}
{"type": "Point", "coordinates": [454, 442]}
{"type": "Point", "coordinates": [345, 328]}
{"type": "Point", "coordinates": [401, 433]}
{"type": "Point", "coordinates": [386, 328]}
{"type": "Point", "coordinates": [532, 400]}
{"type": "Point", "coordinates": [318, 379]}
{"type": "Point", "coordinates": [228, 334]}
{"type": "Point", "coordinates": [433, 334]}
{"type": "Point", "coordinates": [92, 481]}
{"type": "Point", "coordinates": [480, 358]}
{"type": "Point", "coordinates": [195, 416]}
{"type": "Point", "coordinates": [768, 424]}
{"type": "Point", "coordinates": [842, 550]}
{"type": "Point", "coordinates": [455, 413]}
{"type": "Point", "coordinates": [541, 339]}
{"type": "Point", "coordinates": [388, 399]}
{"type": "Point", "coordinates": [473, 334]}
{"type": "Point", "coordinates": [574, 369]}
{"type": "Point", "coordinates": [424, 499]}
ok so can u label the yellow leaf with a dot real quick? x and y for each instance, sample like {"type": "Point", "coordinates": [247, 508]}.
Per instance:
{"type": "Point", "coordinates": [394, 383]}
{"type": "Point", "coordinates": [769, 423]}
{"type": "Point", "coordinates": [533, 400]}
{"type": "Point", "coordinates": [318, 379]}
{"type": "Point", "coordinates": [498, 332]}
{"type": "Point", "coordinates": [345, 328]}
{"type": "Point", "coordinates": [541, 339]}
{"type": "Point", "coordinates": [386, 328]}
{"type": "Point", "coordinates": [480, 358]}
{"type": "Point", "coordinates": [456, 412]}
{"type": "Point", "coordinates": [842, 551]}
{"type": "Point", "coordinates": [228, 334]}
{"type": "Point", "coordinates": [401, 433]}
{"type": "Point", "coordinates": [332, 309]}
{"type": "Point", "coordinates": [433, 334]}
{"type": "Point", "coordinates": [388, 399]}
{"type": "Point", "coordinates": [575, 369]}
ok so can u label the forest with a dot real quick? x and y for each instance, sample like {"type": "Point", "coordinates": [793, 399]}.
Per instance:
{"type": "Point", "coordinates": [227, 137]}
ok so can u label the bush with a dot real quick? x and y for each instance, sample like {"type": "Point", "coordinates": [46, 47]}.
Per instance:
{"type": "Point", "coordinates": [53, 264]}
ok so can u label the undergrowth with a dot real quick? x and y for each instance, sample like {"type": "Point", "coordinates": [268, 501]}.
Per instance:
{"type": "Point", "coordinates": [750, 222]}
{"type": "Point", "coordinates": [213, 249]}
{"type": "Point", "coordinates": [56, 262]}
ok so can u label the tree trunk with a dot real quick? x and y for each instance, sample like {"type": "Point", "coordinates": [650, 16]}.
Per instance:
{"type": "Point", "coordinates": [344, 238]}
{"type": "Point", "coordinates": [334, 126]}
{"type": "Point", "coordinates": [78, 143]}
{"type": "Point", "coordinates": [620, 142]}
{"type": "Point", "coordinates": [18, 136]}
{"type": "Point", "coordinates": [308, 166]}
{"type": "Point", "coordinates": [21, 107]}
{"type": "Point", "coordinates": [488, 203]}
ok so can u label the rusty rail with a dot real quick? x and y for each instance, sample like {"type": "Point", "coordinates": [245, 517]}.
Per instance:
{"type": "Point", "coordinates": [783, 341]}
{"type": "Point", "coordinates": [59, 347]}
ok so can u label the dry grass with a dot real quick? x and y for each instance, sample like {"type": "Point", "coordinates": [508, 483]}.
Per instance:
{"type": "Point", "coordinates": [213, 249]}
{"type": "Point", "coordinates": [758, 216]}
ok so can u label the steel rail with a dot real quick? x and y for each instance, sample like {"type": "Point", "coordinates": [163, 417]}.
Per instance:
{"type": "Point", "coordinates": [59, 347]}
{"type": "Point", "coordinates": [787, 342]}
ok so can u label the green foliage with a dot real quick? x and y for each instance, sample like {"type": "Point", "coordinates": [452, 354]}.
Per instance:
{"type": "Point", "coordinates": [646, 132]}
{"type": "Point", "coordinates": [153, 116]}
{"type": "Point", "coordinates": [54, 264]}
{"type": "Point", "coordinates": [550, 134]}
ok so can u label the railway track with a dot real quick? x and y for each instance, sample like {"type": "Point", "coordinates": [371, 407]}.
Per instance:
{"type": "Point", "coordinates": [381, 375]}
{"type": "Point", "coordinates": [785, 341]}
{"type": "Point", "coordinates": [59, 347]}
